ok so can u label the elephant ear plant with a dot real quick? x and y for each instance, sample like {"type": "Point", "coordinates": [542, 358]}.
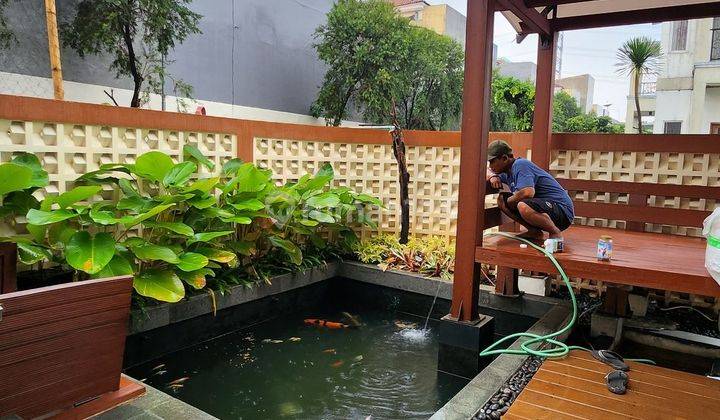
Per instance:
{"type": "Point", "coordinates": [159, 221]}
{"type": "Point", "coordinates": [283, 228]}
{"type": "Point", "coordinates": [19, 179]}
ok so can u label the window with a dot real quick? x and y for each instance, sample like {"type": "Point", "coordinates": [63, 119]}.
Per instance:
{"type": "Point", "coordinates": [715, 43]}
{"type": "Point", "coordinates": [679, 35]}
{"type": "Point", "coordinates": [672, 127]}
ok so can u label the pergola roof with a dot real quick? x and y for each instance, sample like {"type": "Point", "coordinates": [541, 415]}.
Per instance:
{"type": "Point", "coordinates": [545, 16]}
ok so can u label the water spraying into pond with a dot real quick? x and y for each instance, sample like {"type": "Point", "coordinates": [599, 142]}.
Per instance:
{"type": "Point", "coordinates": [285, 369]}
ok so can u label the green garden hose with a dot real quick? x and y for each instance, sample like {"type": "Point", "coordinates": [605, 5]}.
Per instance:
{"type": "Point", "coordinates": [533, 346]}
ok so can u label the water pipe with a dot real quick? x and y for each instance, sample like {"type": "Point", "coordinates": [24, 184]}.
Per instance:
{"type": "Point", "coordinates": [533, 346]}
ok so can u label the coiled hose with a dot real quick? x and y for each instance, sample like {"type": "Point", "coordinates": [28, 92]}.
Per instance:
{"type": "Point", "coordinates": [534, 345]}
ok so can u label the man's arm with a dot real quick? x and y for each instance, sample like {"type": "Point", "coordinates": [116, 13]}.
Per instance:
{"type": "Point", "coordinates": [493, 179]}
{"type": "Point", "coordinates": [513, 200]}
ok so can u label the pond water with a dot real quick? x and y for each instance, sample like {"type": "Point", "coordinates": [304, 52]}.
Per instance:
{"type": "Point", "coordinates": [283, 368]}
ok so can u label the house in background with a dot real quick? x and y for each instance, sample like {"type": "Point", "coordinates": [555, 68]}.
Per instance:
{"type": "Point", "coordinates": [685, 99]}
{"type": "Point", "coordinates": [522, 70]}
{"type": "Point", "coordinates": [439, 18]}
{"type": "Point", "coordinates": [582, 88]}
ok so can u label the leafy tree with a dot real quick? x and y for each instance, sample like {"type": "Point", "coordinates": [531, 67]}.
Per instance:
{"type": "Point", "coordinates": [6, 35]}
{"type": "Point", "coordinates": [365, 45]}
{"type": "Point", "coordinates": [434, 98]}
{"type": "Point", "coordinates": [564, 108]}
{"type": "Point", "coordinates": [386, 67]}
{"type": "Point", "coordinates": [591, 123]}
{"type": "Point", "coordinates": [138, 34]}
{"type": "Point", "coordinates": [513, 103]}
{"type": "Point", "coordinates": [638, 57]}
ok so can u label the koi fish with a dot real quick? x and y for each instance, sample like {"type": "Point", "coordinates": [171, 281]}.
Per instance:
{"type": "Point", "coordinates": [158, 366]}
{"type": "Point", "coordinates": [327, 324]}
{"type": "Point", "coordinates": [330, 351]}
{"type": "Point", "coordinates": [178, 381]}
{"type": "Point", "coordinates": [403, 325]}
{"type": "Point", "coordinates": [352, 320]}
{"type": "Point", "coordinates": [160, 372]}
{"type": "Point", "coordinates": [294, 339]}
{"type": "Point", "coordinates": [337, 364]}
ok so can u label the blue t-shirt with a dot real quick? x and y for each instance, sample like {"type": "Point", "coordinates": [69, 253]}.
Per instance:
{"type": "Point", "coordinates": [524, 173]}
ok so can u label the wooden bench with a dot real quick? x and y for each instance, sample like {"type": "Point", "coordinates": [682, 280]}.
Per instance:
{"type": "Point", "coordinates": [640, 258]}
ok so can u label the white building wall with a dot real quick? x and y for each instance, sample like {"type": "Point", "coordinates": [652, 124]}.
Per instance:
{"type": "Point", "coordinates": [41, 87]}
{"type": "Point", "coordinates": [672, 106]}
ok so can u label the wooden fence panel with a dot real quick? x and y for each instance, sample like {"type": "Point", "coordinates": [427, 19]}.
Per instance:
{"type": "Point", "coordinates": [62, 345]}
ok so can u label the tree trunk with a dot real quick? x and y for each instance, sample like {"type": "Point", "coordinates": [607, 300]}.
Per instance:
{"type": "Point", "coordinates": [137, 77]}
{"type": "Point", "coordinates": [638, 80]}
{"type": "Point", "coordinates": [404, 179]}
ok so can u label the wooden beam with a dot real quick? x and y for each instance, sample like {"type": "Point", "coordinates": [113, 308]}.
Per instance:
{"type": "Point", "coordinates": [54, 49]}
{"type": "Point", "coordinates": [473, 156]}
{"type": "Point", "coordinates": [544, 92]}
{"type": "Point", "coordinates": [631, 17]}
{"type": "Point", "coordinates": [530, 18]}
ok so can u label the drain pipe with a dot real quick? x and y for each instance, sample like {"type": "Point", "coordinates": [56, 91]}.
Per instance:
{"type": "Point", "coordinates": [671, 345]}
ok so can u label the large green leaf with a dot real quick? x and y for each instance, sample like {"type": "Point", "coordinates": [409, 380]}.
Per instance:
{"type": "Point", "coordinates": [248, 178]}
{"type": "Point", "coordinates": [368, 199]}
{"type": "Point", "coordinates": [100, 215]}
{"type": "Point", "coordinates": [252, 204]}
{"type": "Point", "coordinates": [152, 252]}
{"type": "Point", "coordinates": [80, 193]}
{"type": "Point", "coordinates": [217, 255]}
{"type": "Point", "coordinates": [321, 217]}
{"type": "Point", "coordinates": [60, 233]}
{"type": "Point", "coordinates": [179, 174]}
{"type": "Point", "coordinates": [134, 203]}
{"type": "Point", "coordinates": [118, 266]}
{"type": "Point", "coordinates": [203, 202]}
{"type": "Point", "coordinates": [203, 185]}
{"type": "Point", "coordinates": [292, 250]}
{"type": "Point", "coordinates": [148, 214]}
{"type": "Point", "coordinates": [231, 166]}
{"type": "Point", "coordinates": [39, 176]}
{"type": "Point", "coordinates": [40, 217]}
{"type": "Point", "coordinates": [14, 178]}
{"type": "Point", "coordinates": [323, 200]}
{"type": "Point", "coordinates": [20, 202]}
{"type": "Point", "coordinates": [89, 254]}
{"type": "Point", "coordinates": [154, 165]}
{"type": "Point", "coordinates": [29, 253]}
{"type": "Point", "coordinates": [197, 278]}
{"type": "Point", "coordinates": [177, 227]}
{"type": "Point", "coordinates": [161, 284]}
{"type": "Point", "coordinates": [191, 261]}
{"type": "Point", "coordinates": [208, 236]}
{"type": "Point", "coordinates": [321, 179]}
{"type": "Point", "coordinates": [193, 153]}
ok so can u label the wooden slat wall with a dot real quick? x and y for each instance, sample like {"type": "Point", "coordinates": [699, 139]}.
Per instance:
{"type": "Point", "coordinates": [61, 345]}
{"type": "Point", "coordinates": [8, 263]}
{"type": "Point", "coordinates": [574, 388]}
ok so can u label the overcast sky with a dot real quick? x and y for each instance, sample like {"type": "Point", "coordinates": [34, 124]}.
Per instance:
{"type": "Point", "coordinates": [585, 51]}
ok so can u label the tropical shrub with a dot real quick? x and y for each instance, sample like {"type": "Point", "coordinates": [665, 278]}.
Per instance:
{"type": "Point", "coordinates": [172, 230]}
{"type": "Point", "coordinates": [431, 256]}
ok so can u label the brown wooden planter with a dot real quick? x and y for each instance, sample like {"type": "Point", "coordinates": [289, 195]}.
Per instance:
{"type": "Point", "coordinates": [62, 345]}
{"type": "Point", "coordinates": [8, 264]}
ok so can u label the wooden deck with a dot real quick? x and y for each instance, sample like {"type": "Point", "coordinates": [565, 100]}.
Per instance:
{"type": "Point", "coordinates": [574, 388]}
{"type": "Point", "coordinates": [658, 261]}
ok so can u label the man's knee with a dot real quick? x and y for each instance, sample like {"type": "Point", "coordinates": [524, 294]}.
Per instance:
{"type": "Point", "coordinates": [524, 210]}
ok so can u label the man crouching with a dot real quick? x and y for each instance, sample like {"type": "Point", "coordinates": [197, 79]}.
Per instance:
{"type": "Point", "coordinates": [536, 200]}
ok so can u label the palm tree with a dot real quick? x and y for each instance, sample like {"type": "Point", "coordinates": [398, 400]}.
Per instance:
{"type": "Point", "coordinates": [638, 57]}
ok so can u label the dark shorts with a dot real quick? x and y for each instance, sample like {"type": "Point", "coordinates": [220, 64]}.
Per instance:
{"type": "Point", "coordinates": [552, 209]}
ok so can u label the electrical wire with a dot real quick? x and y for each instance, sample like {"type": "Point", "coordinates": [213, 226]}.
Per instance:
{"type": "Point", "coordinates": [688, 307]}
{"type": "Point", "coordinates": [535, 343]}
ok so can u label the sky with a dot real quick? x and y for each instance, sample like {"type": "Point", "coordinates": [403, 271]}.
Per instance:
{"type": "Point", "coordinates": [585, 51]}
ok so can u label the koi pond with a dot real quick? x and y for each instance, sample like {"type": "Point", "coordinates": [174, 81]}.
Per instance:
{"type": "Point", "coordinates": [276, 365]}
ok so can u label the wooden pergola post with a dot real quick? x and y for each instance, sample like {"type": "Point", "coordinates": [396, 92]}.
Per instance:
{"type": "Point", "coordinates": [473, 156]}
{"type": "Point", "coordinates": [54, 49]}
{"type": "Point", "coordinates": [544, 93]}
